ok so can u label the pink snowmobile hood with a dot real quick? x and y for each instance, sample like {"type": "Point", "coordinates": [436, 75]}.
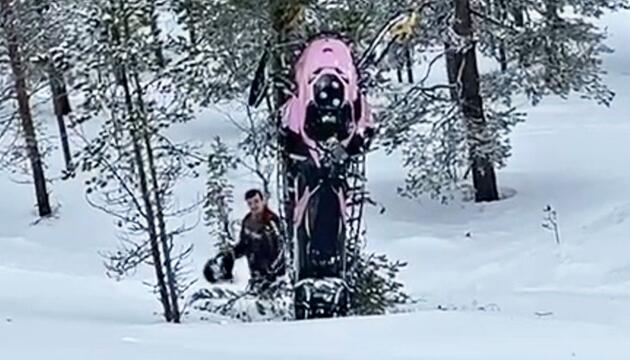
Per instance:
{"type": "Point", "coordinates": [321, 57]}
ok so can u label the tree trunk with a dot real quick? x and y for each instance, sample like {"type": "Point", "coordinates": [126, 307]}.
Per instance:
{"type": "Point", "coordinates": [503, 57]}
{"type": "Point", "coordinates": [283, 21]}
{"type": "Point", "coordinates": [159, 210]}
{"type": "Point", "coordinates": [146, 198]}
{"type": "Point", "coordinates": [518, 11]}
{"type": "Point", "coordinates": [283, 18]}
{"type": "Point", "coordinates": [552, 48]}
{"type": "Point", "coordinates": [149, 214]}
{"type": "Point", "coordinates": [409, 63]}
{"type": "Point", "coordinates": [192, 30]}
{"type": "Point", "coordinates": [451, 69]}
{"type": "Point", "coordinates": [501, 14]}
{"type": "Point", "coordinates": [61, 105]}
{"type": "Point", "coordinates": [164, 238]}
{"type": "Point", "coordinates": [161, 261]}
{"type": "Point", "coordinates": [155, 32]}
{"type": "Point", "coordinates": [467, 75]}
{"type": "Point", "coordinates": [17, 65]}
{"type": "Point", "coordinates": [58, 88]}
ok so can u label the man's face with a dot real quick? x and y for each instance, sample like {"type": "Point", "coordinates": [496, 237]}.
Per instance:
{"type": "Point", "coordinates": [256, 204]}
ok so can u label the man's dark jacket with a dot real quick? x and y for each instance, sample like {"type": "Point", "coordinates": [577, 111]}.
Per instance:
{"type": "Point", "coordinates": [261, 243]}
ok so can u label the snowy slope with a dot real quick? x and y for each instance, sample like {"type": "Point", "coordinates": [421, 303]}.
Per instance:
{"type": "Point", "coordinates": [505, 289]}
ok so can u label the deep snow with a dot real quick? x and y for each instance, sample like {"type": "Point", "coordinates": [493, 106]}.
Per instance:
{"type": "Point", "coordinates": [504, 288]}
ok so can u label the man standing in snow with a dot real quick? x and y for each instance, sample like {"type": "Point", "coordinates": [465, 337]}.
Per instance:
{"type": "Point", "coordinates": [260, 242]}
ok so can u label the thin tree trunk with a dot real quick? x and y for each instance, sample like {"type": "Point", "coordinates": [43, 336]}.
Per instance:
{"type": "Point", "coordinates": [116, 38]}
{"type": "Point", "coordinates": [121, 74]}
{"type": "Point", "coordinates": [451, 69]}
{"type": "Point", "coordinates": [164, 239]}
{"type": "Point", "coordinates": [405, 62]}
{"type": "Point", "coordinates": [279, 58]}
{"type": "Point", "coordinates": [168, 286]}
{"type": "Point", "coordinates": [17, 66]}
{"type": "Point", "coordinates": [61, 105]}
{"type": "Point", "coordinates": [553, 19]}
{"type": "Point", "coordinates": [502, 12]}
{"type": "Point", "coordinates": [58, 89]}
{"type": "Point", "coordinates": [281, 12]}
{"type": "Point", "coordinates": [149, 213]}
{"type": "Point", "coordinates": [155, 32]}
{"type": "Point", "coordinates": [465, 66]}
{"type": "Point", "coordinates": [192, 32]}
{"type": "Point", "coordinates": [518, 12]}
{"type": "Point", "coordinates": [146, 198]}
{"type": "Point", "coordinates": [159, 210]}
{"type": "Point", "coordinates": [503, 57]}
{"type": "Point", "coordinates": [409, 63]}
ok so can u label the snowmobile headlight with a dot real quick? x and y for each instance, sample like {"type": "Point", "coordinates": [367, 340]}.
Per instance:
{"type": "Point", "coordinates": [329, 92]}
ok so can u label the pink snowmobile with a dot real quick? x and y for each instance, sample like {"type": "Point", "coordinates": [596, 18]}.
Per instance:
{"type": "Point", "coordinates": [325, 123]}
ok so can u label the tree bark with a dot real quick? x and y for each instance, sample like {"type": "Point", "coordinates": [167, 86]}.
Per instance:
{"type": "Point", "coordinates": [464, 66]}
{"type": "Point", "coordinates": [18, 67]}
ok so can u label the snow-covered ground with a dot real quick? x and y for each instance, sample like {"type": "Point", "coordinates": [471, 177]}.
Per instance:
{"type": "Point", "coordinates": [505, 289]}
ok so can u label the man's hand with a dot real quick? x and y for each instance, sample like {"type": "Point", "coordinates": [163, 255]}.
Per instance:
{"type": "Point", "coordinates": [225, 247]}
{"type": "Point", "coordinates": [334, 152]}
{"type": "Point", "coordinates": [339, 154]}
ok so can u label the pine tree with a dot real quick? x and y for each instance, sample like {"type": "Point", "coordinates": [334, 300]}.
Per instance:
{"type": "Point", "coordinates": [16, 40]}
{"type": "Point", "coordinates": [464, 67]}
{"type": "Point", "coordinates": [540, 48]}
{"type": "Point", "coordinates": [135, 166]}
{"type": "Point", "coordinates": [551, 48]}
{"type": "Point", "coordinates": [191, 15]}
{"type": "Point", "coordinates": [51, 20]}
{"type": "Point", "coordinates": [220, 195]}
